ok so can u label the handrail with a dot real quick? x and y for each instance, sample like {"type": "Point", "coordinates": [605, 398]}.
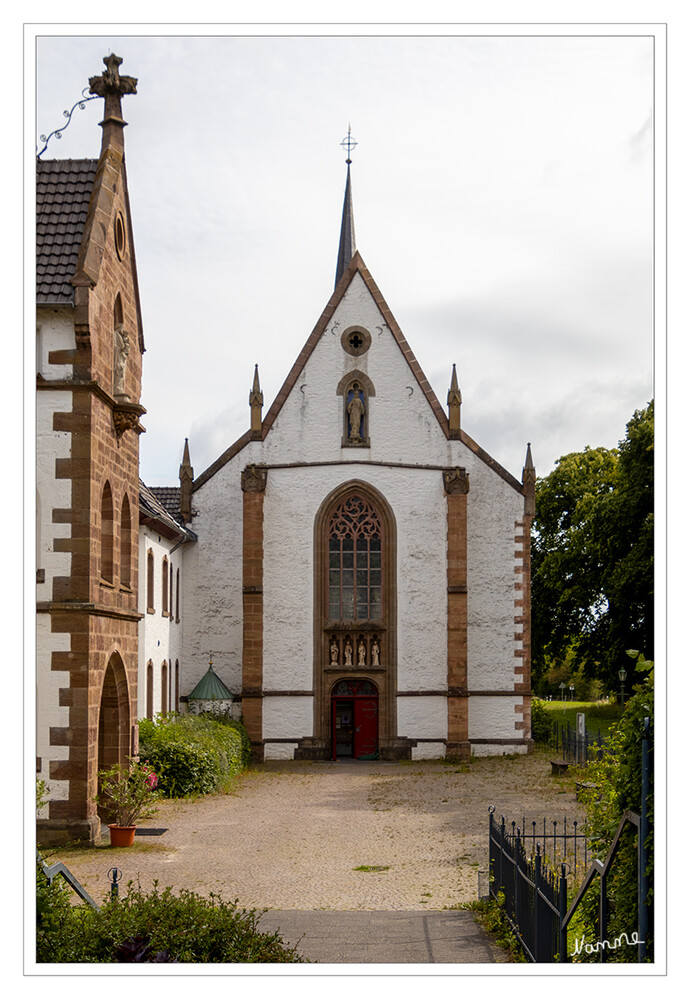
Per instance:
{"type": "Point", "coordinates": [51, 871]}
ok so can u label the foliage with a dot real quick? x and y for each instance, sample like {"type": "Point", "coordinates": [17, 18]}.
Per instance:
{"type": "Point", "coordinates": [541, 721]}
{"type": "Point", "coordinates": [592, 556]}
{"type": "Point", "coordinates": [490, 914]}
{"type": "Point", "coordinates": [128, 794]}
{"type": "Point", "coordinates": [567, 670]}
{"type": "Point", "coordinates": [159, 927]}
{"type": "Point", "coordinates": [42, 790]}
{"type": "Point", "coordinates": [194, 754]}
{"type": "Point", "coordinates": [599, 716]}
{"type": "Point", "coordinates": [52, 902]}
{"type": "Point", "coordinates": [616, 782]}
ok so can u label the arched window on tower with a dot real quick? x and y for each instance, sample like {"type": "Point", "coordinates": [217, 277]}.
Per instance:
{"type": "Point", "coordinates": [107, 529]}
{"type": "Point", "coordinates": [125, 544]}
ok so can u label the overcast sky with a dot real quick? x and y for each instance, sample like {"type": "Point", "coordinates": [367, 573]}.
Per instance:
{"type": "Point", "coordinates": [503, 201]}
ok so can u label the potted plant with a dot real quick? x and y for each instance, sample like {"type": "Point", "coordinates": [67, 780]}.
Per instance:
{"type": "Point", "coordinates": [127, 794]}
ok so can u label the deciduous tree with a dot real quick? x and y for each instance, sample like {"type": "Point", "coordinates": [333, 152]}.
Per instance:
{"type": "Point", "coordinates": [592, 555]}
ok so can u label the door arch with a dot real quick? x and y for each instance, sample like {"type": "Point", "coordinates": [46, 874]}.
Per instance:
{"type": "Point", "coordinates": [114, 716]}
{"type": "Point", "coordinates": [354, 719]}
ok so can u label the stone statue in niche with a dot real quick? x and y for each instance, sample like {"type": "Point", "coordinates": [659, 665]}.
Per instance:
{"type": "Point", "coordinates": [120, 360]}
{"type": "Point", "coordinates": [375, 654]}
{"type": "Point", "coordinates": [348, 653]}
{"type": "Point", "coordinates": [334, 653]}
{"type": "Point", "coordinates": [355, 414]}
{"type": "Point", "coordinates": [361, 653]}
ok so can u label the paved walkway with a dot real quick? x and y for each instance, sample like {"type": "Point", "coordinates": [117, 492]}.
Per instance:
{"type": "Point", "coordinates": [363, 859]}
{"type": "Point", "coordinates": [384, 937]}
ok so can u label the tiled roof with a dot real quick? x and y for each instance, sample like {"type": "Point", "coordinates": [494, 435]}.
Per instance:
{"type": "Point", "coordinates": [169, 497]}
{"type": "Point", "coordinates": [63, 192]}
{"type": "Point", "coordinates": [152, 506]}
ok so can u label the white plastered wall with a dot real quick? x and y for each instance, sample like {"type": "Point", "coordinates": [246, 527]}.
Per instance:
{"type": "Point", "coordinates": [160, 638]}
{"type": "Point", "coordinates": [54, 331]}
{"type": "Point", "coordinates": [403, 431]}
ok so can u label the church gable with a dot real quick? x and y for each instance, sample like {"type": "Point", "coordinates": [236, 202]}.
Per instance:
{"type": "Point", "coordinates": [356, 359]}
{"type": "Point", "coordinates": [356, 389]}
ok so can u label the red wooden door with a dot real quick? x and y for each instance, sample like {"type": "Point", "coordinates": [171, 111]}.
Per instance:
{"type": "Point", "coordinates": [366, 726]}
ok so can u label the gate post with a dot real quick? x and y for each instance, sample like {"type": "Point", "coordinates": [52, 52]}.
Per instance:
{"type": "Point", "coordinates": [562, 912]}
{"type": "Point", "coordinates": [500, 856]}
{"type": "Point", "coordinates": [537, 882]}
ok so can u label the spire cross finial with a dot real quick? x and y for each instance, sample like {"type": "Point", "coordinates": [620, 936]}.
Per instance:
{"type": "Point", "coordinates": [349, 144]}
{"type": "Point", "coordinates": [112, 86]}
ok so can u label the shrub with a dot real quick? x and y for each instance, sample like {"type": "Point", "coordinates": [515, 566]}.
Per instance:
{"type": "Point", "coordinates": [52, 902]}
{"type": "Point", "coordinates": [193, 754]}
{"type": "Point", "coordinates": [541, 721]}
{"type": "Point", "coordinates": [160, 927]}
{"type": "Point", "coordinates": [617, 786]}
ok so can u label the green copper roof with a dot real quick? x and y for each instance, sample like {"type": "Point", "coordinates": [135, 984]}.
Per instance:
{"type": "Point", "coordinates": [211, 688]}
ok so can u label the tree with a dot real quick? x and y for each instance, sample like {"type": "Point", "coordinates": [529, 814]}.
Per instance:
{"type": "Point", "coordinates": [592, 555]}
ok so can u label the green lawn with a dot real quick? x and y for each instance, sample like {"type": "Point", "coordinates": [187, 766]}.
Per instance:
{"type": "Point", "coordinates": [598, 714]}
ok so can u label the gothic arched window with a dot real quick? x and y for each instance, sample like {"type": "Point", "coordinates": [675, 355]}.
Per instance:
{"type": "Point", "coordinates": [125, 544]}
{"type": "Point", "coordinates": [107, 531]}
{"type": "Point", "coordinates": [354, 561]}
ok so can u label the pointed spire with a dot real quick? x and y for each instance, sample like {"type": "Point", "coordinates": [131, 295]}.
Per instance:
{"type": "Point", "coordinates": [186, 483]}
{"type": "Point", "coordinates": [529, 481]}
{"type": "Point", "coordinates": [256, 401]}
{"type": "Point", "coordinates": [113, 87]}
{"type": "Point", "coordinates": [347, 246]}
{"type": "Point", "coordinates": [454, 403]}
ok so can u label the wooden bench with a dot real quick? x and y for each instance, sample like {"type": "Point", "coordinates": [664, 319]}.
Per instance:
{"type": "Point", "coordinates": [559, 767]}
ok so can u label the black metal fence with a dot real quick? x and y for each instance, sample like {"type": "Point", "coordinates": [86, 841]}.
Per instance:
{"type": "Point", "coordinates": [532, 897]}
{"type": "Point", "coordinates": [533, 889]}
{"type": "Point", "coordinates": [576, 747]}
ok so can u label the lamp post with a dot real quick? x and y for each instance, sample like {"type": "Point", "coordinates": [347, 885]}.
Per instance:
{"type": "Point", "coordinates": [572, 691]}
{"type": "Point", "coordinates": [621, 676]}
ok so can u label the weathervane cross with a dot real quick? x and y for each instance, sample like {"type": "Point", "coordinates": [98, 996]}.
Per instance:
{"type": "Point", "coordinates": [349, 144]}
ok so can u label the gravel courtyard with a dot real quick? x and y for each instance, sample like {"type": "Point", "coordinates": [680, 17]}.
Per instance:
{"type": "Point", "coordinates": [293, 835]}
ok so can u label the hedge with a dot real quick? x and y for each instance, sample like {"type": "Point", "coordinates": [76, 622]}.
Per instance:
{"type": "Point", "coordinates": [194, 754]}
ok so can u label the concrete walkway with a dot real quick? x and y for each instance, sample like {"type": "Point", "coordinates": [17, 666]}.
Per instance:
{"type": "Point", "coordinates": [451, 937]}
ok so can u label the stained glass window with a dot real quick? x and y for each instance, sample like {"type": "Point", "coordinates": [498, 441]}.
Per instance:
{"type": "Point", "coordinates": [354, 562]}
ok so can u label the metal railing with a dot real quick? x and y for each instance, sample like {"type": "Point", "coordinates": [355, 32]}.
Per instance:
{"type": "Point", "coordinates": [51, 871]}
{"type": "Point", "coordinates": [534, 897]}
{"type": "Point", "coordinates": [576, 747]}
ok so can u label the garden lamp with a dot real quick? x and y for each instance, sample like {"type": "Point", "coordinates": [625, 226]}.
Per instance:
{"type": "Point", "coordinates": [621, 676]}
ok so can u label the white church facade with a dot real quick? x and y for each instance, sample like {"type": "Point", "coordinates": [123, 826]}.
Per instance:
{"type": "Point", "coordinates": [369, 562]}
{"type": "Point", "coordinates": [357, 565]}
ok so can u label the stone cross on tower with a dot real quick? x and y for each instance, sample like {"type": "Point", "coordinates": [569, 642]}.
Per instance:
{"type": "Point", "coordinates": [112, 87]}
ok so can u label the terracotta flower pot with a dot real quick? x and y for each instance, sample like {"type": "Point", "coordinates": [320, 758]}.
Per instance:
{"type": "Point", "coordinates": [121, 835]}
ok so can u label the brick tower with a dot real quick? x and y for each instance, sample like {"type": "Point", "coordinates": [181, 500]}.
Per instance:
{"type": "Point", "coordinates": [89, 363]}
